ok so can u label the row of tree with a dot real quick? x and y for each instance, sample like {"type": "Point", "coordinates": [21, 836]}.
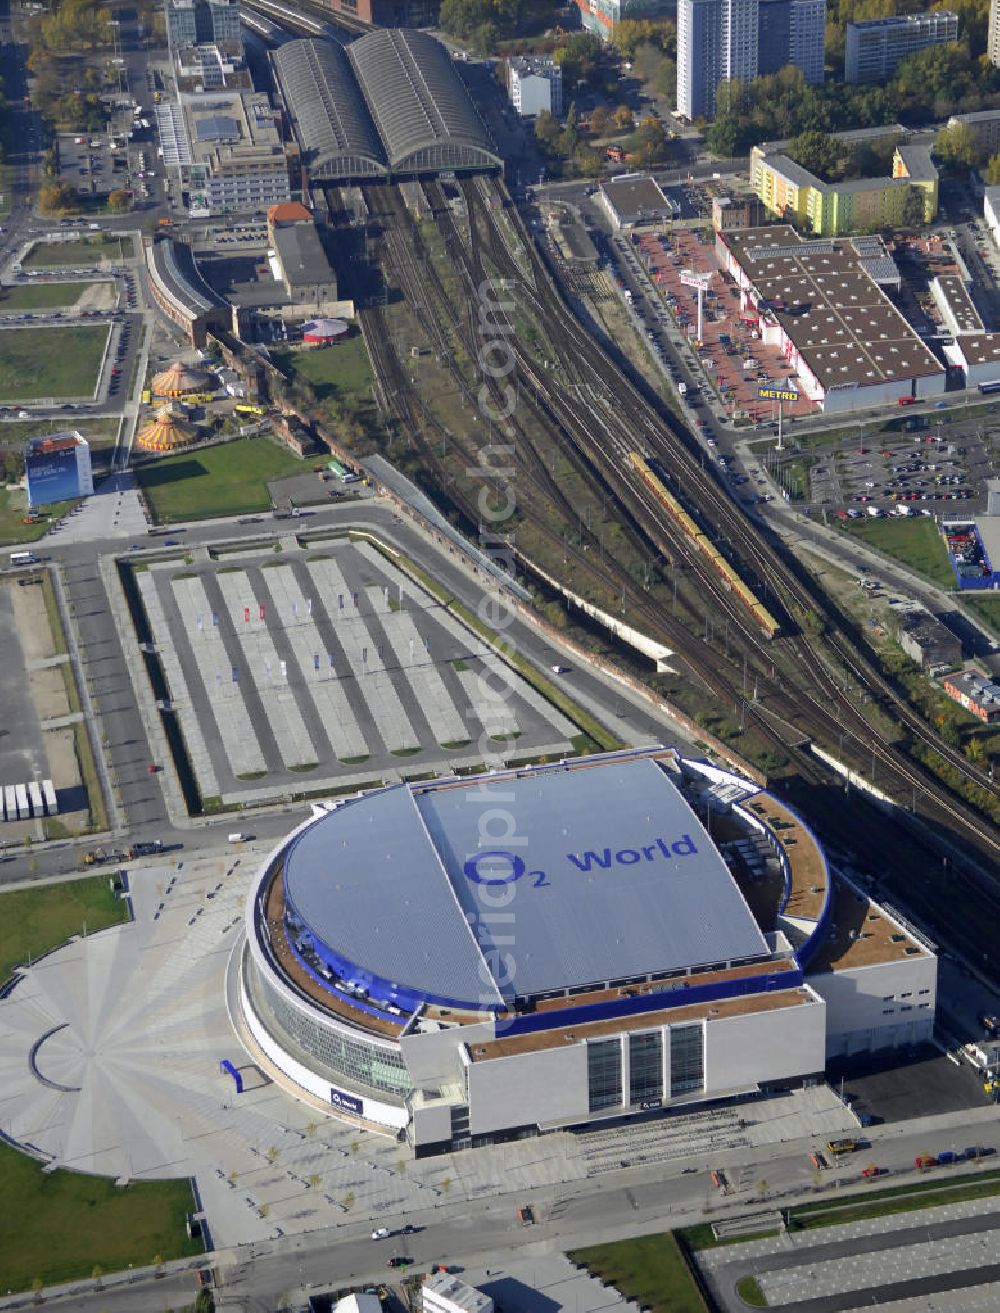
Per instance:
{"type": "Point", "coordinates": [70, 27]}
{"type": "Point", "coordinates": [959, 146]}
{"type": "Point", "coordinates": [931, 84]}
{"type": "Point", "coordinates": [835, 160]}
{"type": "Point", "coordinates": [572, 151]}
{"type": "Point", "coordinates": [61, 198]}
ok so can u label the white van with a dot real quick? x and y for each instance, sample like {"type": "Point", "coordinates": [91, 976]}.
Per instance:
{"type": "Point", "coordinates": [238, 837]}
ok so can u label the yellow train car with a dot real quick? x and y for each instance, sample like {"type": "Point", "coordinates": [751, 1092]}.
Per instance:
{"type": "Point", "coordinates": [705, 546]}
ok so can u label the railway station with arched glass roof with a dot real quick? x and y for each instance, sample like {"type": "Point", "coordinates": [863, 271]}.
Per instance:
{"type": "Point", "coordinates": [653, 931]}
{"type": "Point", "coordinates": [390, 105]}
{"type": "Point", "coordinates": [328, 112]}
{"type": "Point", "coordinates": [425, 115]}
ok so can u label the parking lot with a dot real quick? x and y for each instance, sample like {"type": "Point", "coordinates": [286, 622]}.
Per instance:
{"type": "Point", "coordinates": [319, 669]}
{"type": "Point", "coordinates": [936, 468]}
{"type": "Point", "coordinates": [735, 363]}
{"type": "Point", "coordinates": [892, 1086]}
{"type": "Point", "coordinates": [89, 164]}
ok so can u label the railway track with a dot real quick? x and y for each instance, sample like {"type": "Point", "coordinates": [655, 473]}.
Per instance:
{"type": "Point", "coordinates": [538, 491]}
{"type": "Point", "coordinates": [630, 415]}
{"type": "Point", "coordinates": [310, 19]}
{"type": "Point", "coordinates": [599, 417]}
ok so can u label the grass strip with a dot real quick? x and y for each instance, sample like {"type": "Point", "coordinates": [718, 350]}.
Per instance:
{"type": "Point", "coordinates": [701, 1236]}
{"type": "Point", "coordinates": [91, 781]}
{"type": "Point", "coordinates": [901, 1199]}
{"type": "Point", "coordinates": [67, 1225]}
{"type": "Point", "coordinates": [914, 542]}
{"type": "Point", "coordinates": [651, 1270]}
{"type": "Point", "coordinates": [986, 608]}
{"type": "Point", "coordinates": [748, 1289]}
{"type": "Point", "coordinates": [59, 647]}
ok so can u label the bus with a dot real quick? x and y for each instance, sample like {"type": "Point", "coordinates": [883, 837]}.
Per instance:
{"type": "Point", "coordinates": [23, 558]}
{"type": "Point", "coordinates": [987, 389]}
{"type": "Point", "coordinates": [244, 408]}
{"type": "Point", "coordinates": [335, 467]}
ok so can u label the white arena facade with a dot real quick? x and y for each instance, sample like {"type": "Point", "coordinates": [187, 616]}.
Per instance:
{"type": "Point", "coordinates": [463, 961]}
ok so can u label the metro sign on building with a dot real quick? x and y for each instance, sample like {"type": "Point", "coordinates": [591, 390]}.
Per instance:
{"type": "Point", "coordinates": [777, 394]}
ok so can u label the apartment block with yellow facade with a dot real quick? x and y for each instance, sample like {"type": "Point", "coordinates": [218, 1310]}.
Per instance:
{"type": "Point", "coordinates": [839, 209]}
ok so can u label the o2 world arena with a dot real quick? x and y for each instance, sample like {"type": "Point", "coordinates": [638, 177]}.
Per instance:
{"type": "Point", "coordinates": [463, 961]}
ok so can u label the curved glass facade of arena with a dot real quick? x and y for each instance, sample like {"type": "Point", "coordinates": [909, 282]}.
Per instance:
{"type": "Point", "coordinates": [319, 1039]}
{"type": "Point", "coordinates": [351, 1057]}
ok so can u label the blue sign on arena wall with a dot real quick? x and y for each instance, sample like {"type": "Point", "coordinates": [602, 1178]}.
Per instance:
{"type": "Point", "coordinates": [347, 1102]}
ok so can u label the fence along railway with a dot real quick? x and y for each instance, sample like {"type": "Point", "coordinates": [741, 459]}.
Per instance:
{"type": "Point", "coordinates": [606, 422]}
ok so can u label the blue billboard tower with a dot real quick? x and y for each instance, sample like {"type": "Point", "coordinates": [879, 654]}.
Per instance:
{"type": "Point", "coordinates": [57, 468]}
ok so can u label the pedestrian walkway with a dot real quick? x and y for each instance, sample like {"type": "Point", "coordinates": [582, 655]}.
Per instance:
{"type": "Point", "coordinates": [115, 510]}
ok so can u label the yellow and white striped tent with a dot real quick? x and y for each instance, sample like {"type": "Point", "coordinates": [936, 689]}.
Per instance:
{"type": "Point", "coordinates": [166, 432]}
{"type": "Point", "coordinates": [180, 380]}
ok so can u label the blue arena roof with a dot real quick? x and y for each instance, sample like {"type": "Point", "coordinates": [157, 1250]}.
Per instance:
{"type": "Point", "coordinates": [604, 873]}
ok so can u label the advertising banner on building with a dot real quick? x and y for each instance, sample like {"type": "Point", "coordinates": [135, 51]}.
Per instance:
{"type": "Point", "coordinates": [347, 1102]}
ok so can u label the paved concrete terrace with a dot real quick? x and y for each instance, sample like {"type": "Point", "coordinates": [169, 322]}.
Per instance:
{"type": "Point", "coordinates": [322, 668]}
{"type": "Point", "coordinates": [109, 1063]}
{"type": "Point", "coordinates": [115, 510]}
{"type": "Point", "coordinates": [858, 1264]}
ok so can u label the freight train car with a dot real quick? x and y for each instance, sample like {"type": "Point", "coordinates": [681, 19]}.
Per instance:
{"type": "Point", "coordinates": [655, 477]}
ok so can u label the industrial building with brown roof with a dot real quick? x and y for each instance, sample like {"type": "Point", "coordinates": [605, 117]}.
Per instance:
{"type": "Point", "coordinates": [818, 301]}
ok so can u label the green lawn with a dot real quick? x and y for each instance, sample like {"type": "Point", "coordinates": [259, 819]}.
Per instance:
{"type": "Point", "coordinates": [230, 479]}
{"type": "Point", "coordinates": [50, 362]}
{"type": "Point", "coordinates": [986, 607]}
{"type": "Point", "coordinates": [340, 371]}
{"type": "Point", "coordinates": [913, 541]}
{"type": "Point", "coordinates": [650, 1269]}
{"type": "Point", "coordinates": [14, 431]}
{"type": "Point", "coordinates": [13, 504]}
{"type": "Point", "coordinates": [66, 1224]}
{"type": "Point", "coordinates": [748, 1289]}
{"type": "Point", "coordinates": [41, 296]}
{"type": "Point", "coordinates": [75, 255]}
{"type": "Point", "coordinates": [33, 920]}
{"type": "Point", "coordinates": [935, 1192]}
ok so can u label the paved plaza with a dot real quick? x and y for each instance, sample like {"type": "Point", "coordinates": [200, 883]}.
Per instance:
{"type": "Point", "coordinates": [109, 1063]}
{"type": "Point", "coordinates": [114, 511]}
{"type": "Point", "coordinates": [951, 1255]}
{"type": "Point", "coordinates": [326, 666]}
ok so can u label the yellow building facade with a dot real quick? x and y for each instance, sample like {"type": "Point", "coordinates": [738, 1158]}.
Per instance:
{"type": "Point", "coordinates": [825, 209]}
